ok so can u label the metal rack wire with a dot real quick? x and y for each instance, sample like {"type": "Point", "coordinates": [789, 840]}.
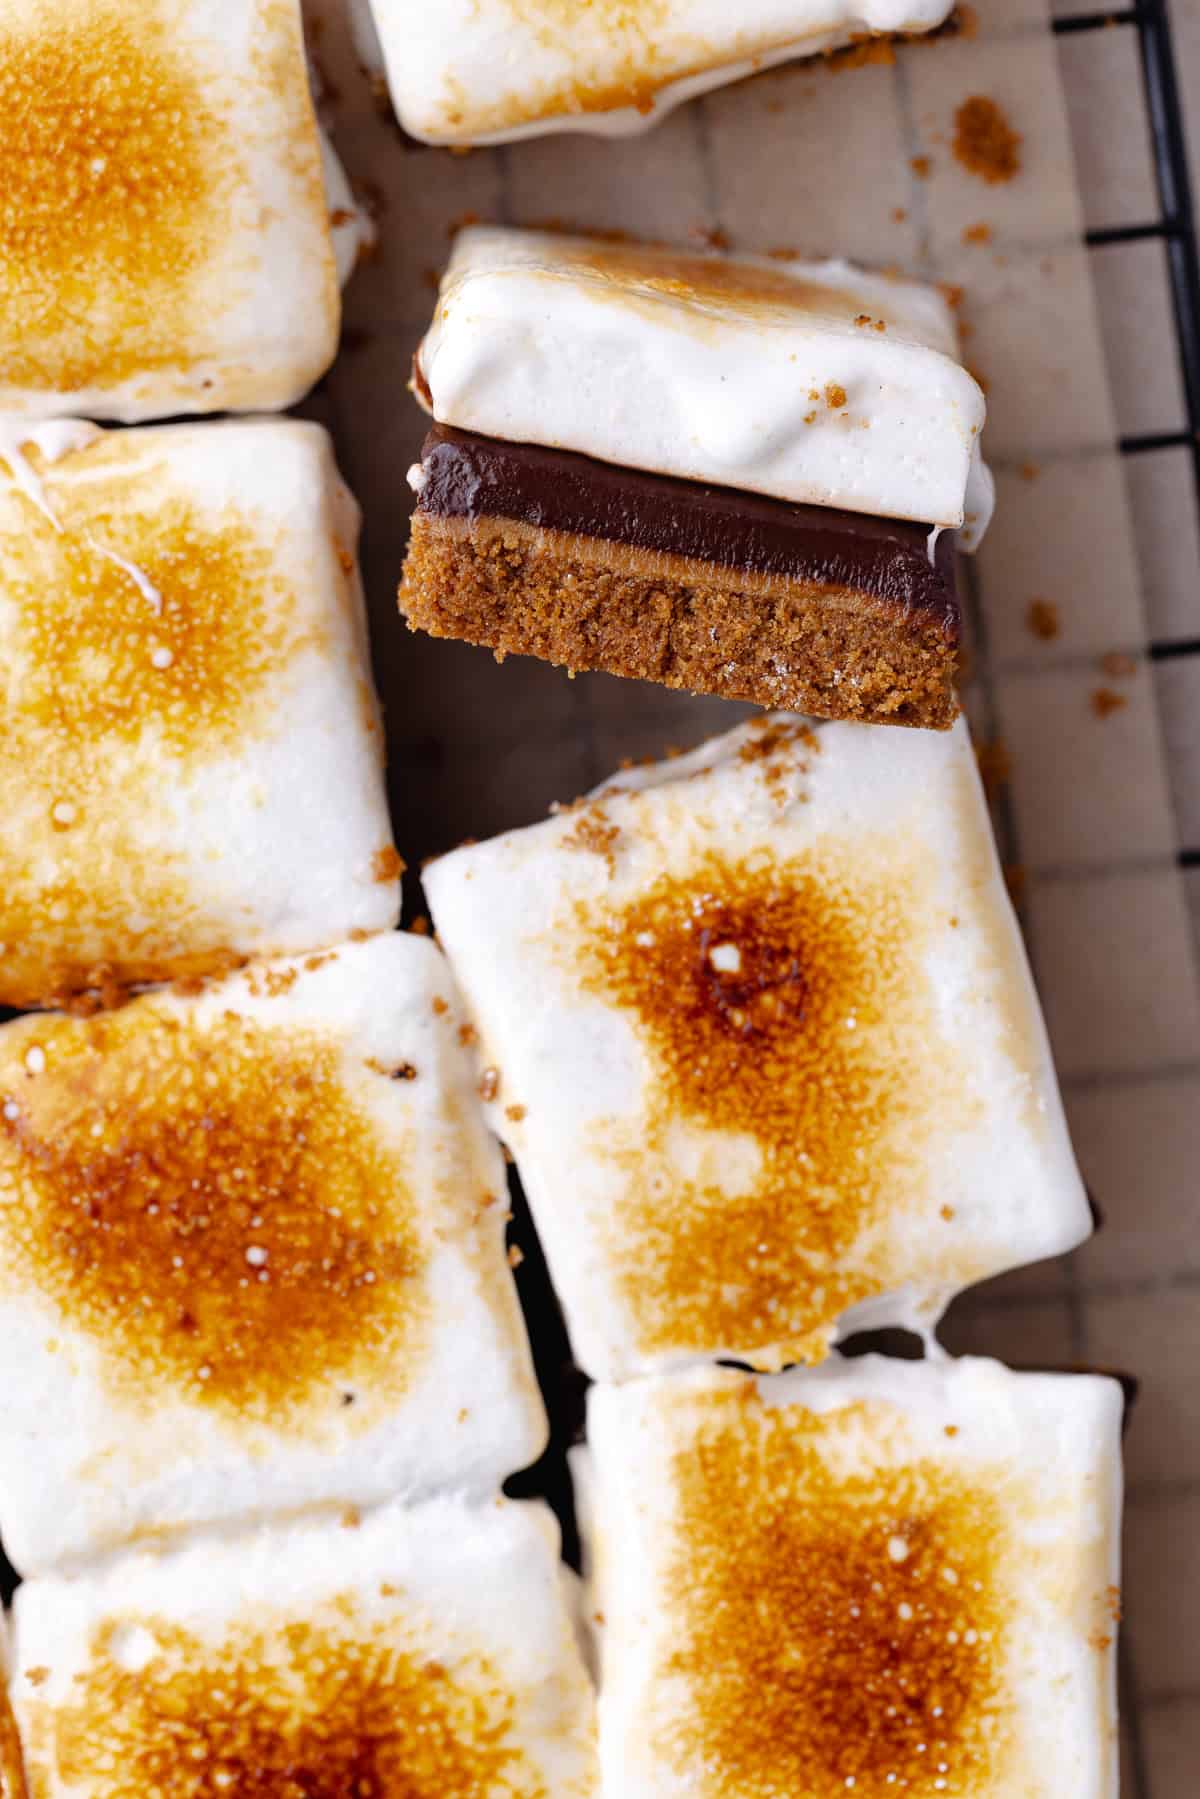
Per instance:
{"type": "Point", "coordinates": [1175, 228]}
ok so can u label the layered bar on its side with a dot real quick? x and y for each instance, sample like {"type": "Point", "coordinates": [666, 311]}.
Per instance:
{"type": "Point", "coordinates": [874, 1579]}
{"type": "Point", "coordinates": [741, 478]}
{"type": "Point", "coordinates": [552, 554]}
{"type": "Point", "coordinates": [489, 71]}
{"type": "Point", "coordinates": [759, 1030]}
{"type": "Point", "coordinates": [252, 1257]}
{"type": "Point", "coordinates": [423, 1653]}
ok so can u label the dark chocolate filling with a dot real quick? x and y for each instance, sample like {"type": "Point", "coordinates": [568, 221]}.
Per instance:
{"type": "Point", "coordinates": [484, 477]}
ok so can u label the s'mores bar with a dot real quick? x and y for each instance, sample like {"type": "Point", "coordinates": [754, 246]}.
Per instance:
{"type": "Point", "coordinates": [488, 71]}
{"type": "Point", "coordinates": [880, 1578]}
{"type": "Point", "coordinates": [164, 227]}
{"type": "Point", "coordinates": [422, 1654]}
{"type": "Point", "coordinates": [252, 1256]}
{"type": "Point", "coordinates": [763, 1040]}
{"type": "Point", "coordinates": [192, 756]}
{"type": "Point", "coordinates": [736, 477]}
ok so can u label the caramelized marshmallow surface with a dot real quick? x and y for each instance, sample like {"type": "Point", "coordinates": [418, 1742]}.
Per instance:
{"type": "Point", "coordinates": [761, 1035]}
{"type": "Point", "coordinates": [252, 1253]}
{"type": "Point", "coordinates": [192, 755]}
{"type": "Point", "coordinates": [164, 227]}
{"type": "Point", "coordinates": [878, 1578]}
{"type": "Point", "coordinates": [807, 381]}
{"type": "Point", "coordinates": [412, 1654]}
{"type": "Point", "coordinates": [485, 71]}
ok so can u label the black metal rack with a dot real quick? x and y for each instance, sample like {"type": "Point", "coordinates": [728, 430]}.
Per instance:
{"type": "Point", "coordinates": [1176, 229]}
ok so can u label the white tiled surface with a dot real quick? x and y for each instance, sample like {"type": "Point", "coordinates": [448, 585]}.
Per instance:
{"type": "Point", "coordinates": [820, 162]}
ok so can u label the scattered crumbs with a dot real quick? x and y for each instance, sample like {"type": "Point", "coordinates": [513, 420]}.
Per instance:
{"type": "Point", "coordinates": [358, 935]}
{"type": "Point", "coordinates": [420, 925]}
{"type": "Point", "coordinates": [1041, 617]}
{"type": "Point", "coordinates": [1119, 665]}
{"type": "Point", "coordinates": [345, 557]}
{"type": "Point", "coordinates": [514, 1113]}
{"type": "Point", "coordinates": [515, 1256]}
{"type": "Point", "coordinates": [594, 831]}
{"type": "Point", "coordinates": [1014, 880]}
{"type": "Point", "coordinates": [467, 1035]}
{"type": "Point", "coordinates": [489, 1085]}
{"type": "Point", "coordinates": [404, 1071]}
{"type": "Point", "coordinates": [438, 1006]}
{"type": "Point", "coordinates": [37, 1677]}
{"type": "Point", "coordinates": [809, 418]}
{"type": "Point", "coordinates": [920, 166]}
{"type": "Point", "coordinates": [977, 234]}
{"type": "Point", "coordinates": [995, 765]}
{"type": "Point", "coordinates": [713, 237]}
{"type": "Point", "coordinates": [948, 1214]}
{"type": "Point", "coordinates": [386, 865]}
{"type": "Point", "coordinates": [312, 963]}
{"type": "Point", "coordinates": [463, 1414]}
{"type": "Point", "coordinates": [951, 1430]}
{"type": "Point", "coordinates": [1030, 471]}
{"type": "Point", "coordinates": [1100, 1641]}
{"type": "Point", "coordinates": [487, 1201]}
{"type": "Point", "coordinates": [985, 144]}
{"type": "Point", "coordinates": [899, 214]}
{"type": "Point", "coordinates": [952, 294]}
{"type": "Point", "coordinates": [1112, 1599]}
{"type": "Point", "coordinates": [835, 396]}
{"type": "Point", "coordinates": [1105, 701]}
{"type": "Point", "coordinates": [599, 1618]}
{"type": "Point", "coordinates": [351, 1518]}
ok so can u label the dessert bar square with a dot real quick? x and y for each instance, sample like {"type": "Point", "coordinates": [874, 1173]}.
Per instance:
{"type": "Point", "coordinates": [760, 1032]}
{"type": "Point", "coordinates": [739, 477]}
{"type": "Point", "coordinates": [486, 71]}
{"type": "Point", "coordinates": [418, 1654]}
{"type": "Point", "coordinates": [879, 1578]}
{"type": "Point", "coordinates": [164, 230]}
{"type": "Point", "coordinates": [252, 1244]}
{"type": "Point", "coordinates": [192, 757]}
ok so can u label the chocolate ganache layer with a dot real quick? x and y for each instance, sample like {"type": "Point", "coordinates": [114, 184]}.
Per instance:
{"type": "Point", "coordinates": [466, 476]}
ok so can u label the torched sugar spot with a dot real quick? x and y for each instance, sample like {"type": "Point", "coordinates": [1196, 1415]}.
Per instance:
{"type": "Point", "coordinates": [96, 711]}
{"type": "Point", "coordinates": [841, 1632]}
{"type": "Point", "coordinates": [712, 281]}
{"type": "Point", "coordinates": [188, 672]}
{"type": "Point", "coordinates": [117, 191]}
{"type": "Point", "coordinates": [621, 54]}
{"type": "Point", "coordinates": [783, 1007]}
{"type": "Point", "coordinates": [327, 1707]}
{"type": "Point", "coordinates": [212, 1207]}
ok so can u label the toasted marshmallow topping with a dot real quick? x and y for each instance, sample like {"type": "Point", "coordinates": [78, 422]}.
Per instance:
{"type": "Point", "coordinates": [880, 1577]}
{"type": "Point", "coordinates": [806, 381]}
{"type": "Point", "coordinates": [768, 1053]}
{"type": "Point", "coordinates": [164, 231]}
{"type": "Point", "coordinates": [191, 771]}
{"type": "Point", "coordinates": [253, 1256]}
{"type": "Point", "coordinates": [412, 1654]}
{"type": "Point", "coordinates": [487, 71]}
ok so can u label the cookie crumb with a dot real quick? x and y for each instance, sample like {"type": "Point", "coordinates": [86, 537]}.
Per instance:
{"type": "Point", "coordinates": [1042, 619]}
{"type": "Point", "coordinates": [985, 144]}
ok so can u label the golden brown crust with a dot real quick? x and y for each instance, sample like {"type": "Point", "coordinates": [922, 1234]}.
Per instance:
{"type": "Point", "coordinates": [588, 604]}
